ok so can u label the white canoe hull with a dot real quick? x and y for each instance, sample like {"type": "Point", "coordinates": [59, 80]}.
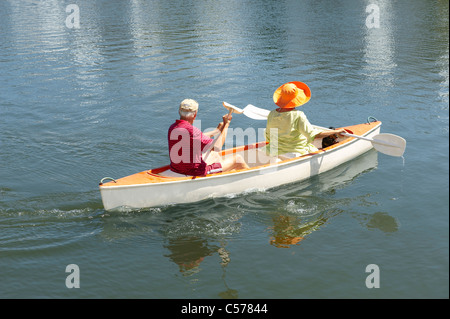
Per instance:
{"type": "Point", "coordinates": [179, 191]}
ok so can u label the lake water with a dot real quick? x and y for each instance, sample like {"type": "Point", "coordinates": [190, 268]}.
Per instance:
{"type": "Point", "coordinates": [81, 103]}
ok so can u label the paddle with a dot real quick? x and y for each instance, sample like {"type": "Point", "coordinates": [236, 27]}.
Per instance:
{"type": "Point", "coordinates": [385, 143]}
{"type": "Point", "coordinates": [217, 137]}
{"type": "Point", "coordinates": [250, 111]}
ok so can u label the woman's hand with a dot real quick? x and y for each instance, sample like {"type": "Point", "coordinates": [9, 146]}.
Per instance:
{"type": "Point", "coordinates": [331, 132]}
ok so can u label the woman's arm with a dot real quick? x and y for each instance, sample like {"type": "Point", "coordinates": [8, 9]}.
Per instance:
{"type": "Point", "coordinates": [330, 132]}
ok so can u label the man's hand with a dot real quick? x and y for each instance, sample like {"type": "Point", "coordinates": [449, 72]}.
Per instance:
{"type": "Point", "coordinates": [227, 118]}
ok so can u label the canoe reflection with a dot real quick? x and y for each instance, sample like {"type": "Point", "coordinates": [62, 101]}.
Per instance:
{"type": "Point", "coordinates": [197, 235]}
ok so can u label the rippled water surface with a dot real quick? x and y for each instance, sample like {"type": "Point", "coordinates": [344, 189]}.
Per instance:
{"type": "Point", "coordinates": [79, 104]}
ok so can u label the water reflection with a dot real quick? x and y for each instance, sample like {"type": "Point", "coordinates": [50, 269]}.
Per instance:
{"type": "Point", "coordinates": [379, 48]}
{"type": "Point", "coordinates": [379, 220]}
{"type": "Point", "coordinates": [191, 239]}
{"type": "Point", "coordinates": [196, 237]}
{"type": "Point", "coordinates": [301, 214]}
{"type": "Point", "coordinates": [189, 252]}
{"type": "Point", "coordinates": [291, 230]}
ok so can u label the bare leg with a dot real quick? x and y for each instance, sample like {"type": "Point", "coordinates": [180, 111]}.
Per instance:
{"type": "Point", "coordinates": [228, 163]}
{"type": "Point", "coordinates": [231, 163]}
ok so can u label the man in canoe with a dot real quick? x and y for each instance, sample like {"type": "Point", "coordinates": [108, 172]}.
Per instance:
{"type": "Point", "coordinates": [288, 130]}
{"type": "Point", "coordinates": [188, 145]}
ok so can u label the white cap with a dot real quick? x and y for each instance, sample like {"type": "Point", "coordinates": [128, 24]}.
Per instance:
{"type": "Point", "coordinates": [189, 105]}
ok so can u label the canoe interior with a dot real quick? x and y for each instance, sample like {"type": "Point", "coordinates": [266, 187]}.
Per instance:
{"type": "Point", "coordinates": [251, 153]}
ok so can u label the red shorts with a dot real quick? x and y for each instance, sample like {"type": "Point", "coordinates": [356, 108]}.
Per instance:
{"type": "Point", "coordinates": [214, 168]}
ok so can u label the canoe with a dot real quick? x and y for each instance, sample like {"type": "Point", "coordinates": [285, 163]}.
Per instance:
{"type": "Point", "coordinates": [160, 186]}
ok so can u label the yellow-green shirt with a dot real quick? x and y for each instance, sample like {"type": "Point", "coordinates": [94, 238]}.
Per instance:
{"type": "Point", "coordinates": [289, 132]}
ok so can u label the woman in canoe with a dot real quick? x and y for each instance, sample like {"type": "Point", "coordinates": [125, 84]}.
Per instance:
{"type": "Point", "coordinates": [187, 145]}
{"type": "Point", "coordinates": [288, 130]}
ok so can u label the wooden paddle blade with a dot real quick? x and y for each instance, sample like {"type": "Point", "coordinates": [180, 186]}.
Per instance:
{"type": "Point", "coordinates": [233, 108]}
{"type": "Point", "coordinates": [255, 113]}
{"type": "Point", "coordinates": [389, 144]}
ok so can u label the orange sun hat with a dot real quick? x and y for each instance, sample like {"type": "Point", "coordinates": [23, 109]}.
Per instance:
{"type": "Point", "coordinates": [292, 94]}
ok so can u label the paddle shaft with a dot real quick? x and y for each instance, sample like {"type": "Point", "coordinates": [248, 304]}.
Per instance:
{"type": "Point", "coordinates": [365, 138]}
{"type": "Point", "coordinates": [216, 139]}
{"type": "Point", "coordinates": [370, 140]}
